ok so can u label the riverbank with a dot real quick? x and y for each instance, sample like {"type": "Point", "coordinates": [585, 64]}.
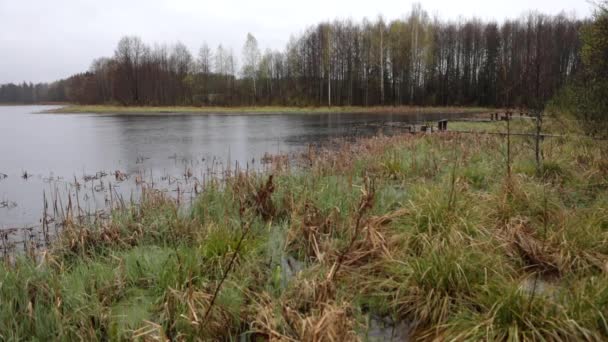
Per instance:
{"type": "Point", "coordinates": [427, 236]}
{"type": "Point", "coordinates": [181, 110]}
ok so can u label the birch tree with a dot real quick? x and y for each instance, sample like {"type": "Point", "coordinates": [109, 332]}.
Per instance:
{"type": "Point", "coordinates": [251, 58]}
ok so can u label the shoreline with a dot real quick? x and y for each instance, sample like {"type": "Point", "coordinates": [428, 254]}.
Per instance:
{"type": "Point", "coordinates": [34, 104]}
{"type": "Point", "coordinates": [263, 110]}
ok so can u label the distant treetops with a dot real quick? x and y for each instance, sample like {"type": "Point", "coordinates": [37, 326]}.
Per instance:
{"type": "Point", "coordinates": [416, 60]}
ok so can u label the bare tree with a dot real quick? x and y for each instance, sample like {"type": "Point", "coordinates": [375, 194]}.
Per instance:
{"type": "Point", "coordinates": [129, 55]}
{"type": "Point", "coordinates": [251, 58]}
{"type": "Point", "coordinates": [205, 57]}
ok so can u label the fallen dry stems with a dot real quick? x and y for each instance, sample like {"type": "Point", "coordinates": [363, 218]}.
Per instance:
{"type": "Point", "coordinates": [366, 203]}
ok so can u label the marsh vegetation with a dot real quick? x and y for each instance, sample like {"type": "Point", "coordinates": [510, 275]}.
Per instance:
{"type": "Point", "coordinates": [424, 235]}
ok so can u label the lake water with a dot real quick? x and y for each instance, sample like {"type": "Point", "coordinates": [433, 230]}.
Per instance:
{"type": "Point", "coordinates": [59, 150]}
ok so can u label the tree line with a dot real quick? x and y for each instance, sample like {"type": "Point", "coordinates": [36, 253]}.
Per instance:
{"type": "Point", "coordinates": [29, 93]}
{"type": "Point", "coordinates": [585, 96]}
{"type": "Point", "coordinates": [416, 60]}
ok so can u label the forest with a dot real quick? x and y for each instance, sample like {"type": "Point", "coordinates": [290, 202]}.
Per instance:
{"type": "Point", "coordinates": [29, 93]}
{"type": "Point", "coordinates": [416, 60]}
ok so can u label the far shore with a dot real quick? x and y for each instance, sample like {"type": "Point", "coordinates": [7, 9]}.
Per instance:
{"type": "Point", "coordinates": [261, 110]}
{"type": "Point", "coordinates": [16, 104]}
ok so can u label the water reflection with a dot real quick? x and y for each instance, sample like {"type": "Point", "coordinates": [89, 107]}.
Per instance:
{"type": "Point", "coordinates": [63, 149]}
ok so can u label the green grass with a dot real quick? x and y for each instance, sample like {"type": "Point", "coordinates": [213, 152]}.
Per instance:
{"type": "Point", "coordinates": [165, 110]}
{"type": "Point", "coordinates": [425, 229]}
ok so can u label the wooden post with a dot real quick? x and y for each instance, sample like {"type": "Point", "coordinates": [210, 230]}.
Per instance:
{"type": "Point", "coordinates": [442, 125]}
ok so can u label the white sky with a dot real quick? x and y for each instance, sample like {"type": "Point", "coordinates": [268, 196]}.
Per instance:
{"type": "Point", "coordinates": [44, 40]}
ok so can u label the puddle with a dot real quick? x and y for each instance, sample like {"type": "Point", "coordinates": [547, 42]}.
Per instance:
{"type": "Point", "coordinates": [386, 329]}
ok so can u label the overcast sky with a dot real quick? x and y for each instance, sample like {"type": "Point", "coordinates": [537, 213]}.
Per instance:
{"type": "Point", "coordinates": [44, 40]}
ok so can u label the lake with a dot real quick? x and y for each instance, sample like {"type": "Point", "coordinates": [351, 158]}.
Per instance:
{"type": "Point", "coordinates": [51, 153]}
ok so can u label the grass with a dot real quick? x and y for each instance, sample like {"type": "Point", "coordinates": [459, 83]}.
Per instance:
{"type": "Point", "coordinates": [423, 229]}
{"type": "Point", "coordinates": [154, 110]}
